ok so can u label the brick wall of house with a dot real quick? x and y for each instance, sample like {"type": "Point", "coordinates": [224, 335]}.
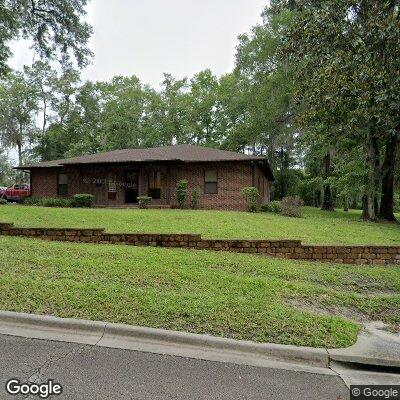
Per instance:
{"type": "Point", "coordinates": [44, 182]}
{"type": "Point", "coordinates": [232, 178]}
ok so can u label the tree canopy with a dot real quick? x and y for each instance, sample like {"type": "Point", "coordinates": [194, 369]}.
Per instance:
{"type": "Point", "coordinates": [56, 27]}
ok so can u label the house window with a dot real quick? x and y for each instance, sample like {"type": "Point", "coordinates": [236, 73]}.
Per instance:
{"type": "Point", "coordinates": [112, 185]}
{"type": "Point", "coordinates": [154, 184]}
{"type": "Point", "coordinates": [62, 184]}
{"type": "Point", "coordinates": [210, 181]}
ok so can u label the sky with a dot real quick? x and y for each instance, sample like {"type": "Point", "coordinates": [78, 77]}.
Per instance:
{"type": "Point", "coordinates": [149, 37]}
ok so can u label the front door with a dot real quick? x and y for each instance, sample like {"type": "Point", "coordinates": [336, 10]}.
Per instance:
{"type": "Point", "coordinates": [131, 185]}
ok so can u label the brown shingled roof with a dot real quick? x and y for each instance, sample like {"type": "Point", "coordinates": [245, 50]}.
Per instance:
{"type": "Point", "coordinates": [181, 152]}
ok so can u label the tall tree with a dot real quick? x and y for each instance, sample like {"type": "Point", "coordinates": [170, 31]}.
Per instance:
{"type": "Point", "coordinates": [18, 104]}
{"type": "Point", "coordinates": [7, 173]}
{"type": "Point", "coordinates": [175, 102]}
{"type": "Point", "coordinates": [345, 54]}
{"type": "Point", "coordinates": [122, 113]}
{"type": "Point", "coordinates": [64, 89]}
{"type": "Point", "coordinates": [233, 122]}
{"type": "Point", "coordinates": [202, 113]}
{"type": "Point", "coordinates": [42, 76]}
{"type": "Point", "coordinates": [269, 91]}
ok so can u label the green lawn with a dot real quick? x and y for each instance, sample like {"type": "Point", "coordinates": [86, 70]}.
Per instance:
{"type": "Point", "coordinates": [224, 294]}
{"type": "Point", "coordinates": [315, 227]}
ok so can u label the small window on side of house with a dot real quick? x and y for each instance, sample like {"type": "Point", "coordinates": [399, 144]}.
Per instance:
{"type": "Point", "coordinates": [210, 182]}
{"type": "Point", "coordinates": [62, 184]}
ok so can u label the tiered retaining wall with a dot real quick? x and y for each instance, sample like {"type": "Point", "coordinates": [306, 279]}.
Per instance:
{"type": "Point", "coordinates": [292, 249]}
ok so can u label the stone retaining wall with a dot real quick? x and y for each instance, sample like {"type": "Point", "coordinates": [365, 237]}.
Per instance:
{"type": "Point", "coordinates": [292, 249]}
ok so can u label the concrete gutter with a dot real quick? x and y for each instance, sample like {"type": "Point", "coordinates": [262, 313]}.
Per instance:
{"type": "Point", "coordinates": [162, 341]}
{"type": "Point", "coordinates": [375, 346]}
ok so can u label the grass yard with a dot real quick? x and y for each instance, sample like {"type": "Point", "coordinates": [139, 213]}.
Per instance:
{"type": "Point", "coordinates": [316, 226]}
{"type": "Point", "coordinates": [232, 295]}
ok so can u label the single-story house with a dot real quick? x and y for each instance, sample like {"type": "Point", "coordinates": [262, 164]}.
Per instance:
{"type": "Point", "coordinates": [117, 178]}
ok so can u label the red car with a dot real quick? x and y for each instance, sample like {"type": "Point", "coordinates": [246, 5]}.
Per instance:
{"type": "Point", "coordinates": [17, 192]}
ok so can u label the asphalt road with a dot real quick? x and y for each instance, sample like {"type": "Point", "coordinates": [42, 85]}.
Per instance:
{"type": "Point", "coordinates": [87, 372]}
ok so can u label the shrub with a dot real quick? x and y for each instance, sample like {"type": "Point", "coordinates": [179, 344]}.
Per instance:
{"type": "Point", "coordinates": [82, 200]}
{"type": "Point", "coordinates": [195, 202]}
{"type": "Point", "coordinates": [291, 206]}
{"type": "Point", "coordinates": [54, 202]}
{"type": "Point", "coordinates": [144, 201]}
{"type": "Point", "coordinates": [3, 201]}
{"type": "Point", "coordinates": [272, 207]}
{"type": "Point", "coordinates": [251, 195]}
{"type": "Point", "coordinates": [181, 192]}
{"type": "Point", "coordinates": [32, 201]}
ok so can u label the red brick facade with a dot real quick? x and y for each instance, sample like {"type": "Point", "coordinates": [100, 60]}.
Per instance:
{"type": "Point", "coordinates": [232, 177]}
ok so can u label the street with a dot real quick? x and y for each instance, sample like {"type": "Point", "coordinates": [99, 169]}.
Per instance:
{"type": "Point", "coordinates": [91, 372]}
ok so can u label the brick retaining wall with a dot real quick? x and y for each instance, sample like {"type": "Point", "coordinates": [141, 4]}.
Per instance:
{"type": "Point", "coordinates": [292, 249]}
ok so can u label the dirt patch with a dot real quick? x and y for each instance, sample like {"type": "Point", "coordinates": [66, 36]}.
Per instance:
{"type": "Point", "coordinates": [367, 286]}
{"type": "Point", "coordinates": [351, 313]}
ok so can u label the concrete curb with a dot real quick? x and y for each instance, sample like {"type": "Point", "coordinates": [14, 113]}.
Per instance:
{"type": "Point", "coordinates": [206, 347]}
{"type": "Point", "coordinates": [156, 340]}
{"type": "Point", "coordinates": [51, 328]}
{"type": "Point", "coordinates": [313, 356]}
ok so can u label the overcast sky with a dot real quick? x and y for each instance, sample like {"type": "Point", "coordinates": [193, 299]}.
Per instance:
{"type": "Point", "coordinates": [149, 37]}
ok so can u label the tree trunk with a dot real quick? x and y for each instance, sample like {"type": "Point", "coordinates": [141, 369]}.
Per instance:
{"type": "Point", "coordinates": [365, 209]}
{"type": "Point", "coordinates": [327, 204]}
{"type": "Point", "coordinates": [346, 203]}
{"type": "Point", "coordinates": [317, 199]}
{"type": "Point", "coordinates": [19, 147]}
{"type": "Point", "coordinates": [44, 116]}
{"type": "Point", "coordinates": [372, 179]}
{"type": "Point", "coordinates": [282, 183]}
{"type": "Point", "coordinates": [388, 171]}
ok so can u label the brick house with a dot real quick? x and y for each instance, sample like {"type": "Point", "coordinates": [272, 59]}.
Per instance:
{"type": "Point", "coordinates": [117, 178]}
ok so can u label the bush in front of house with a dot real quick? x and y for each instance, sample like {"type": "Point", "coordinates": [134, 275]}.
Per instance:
{"type": "Point", "coordinates": [54, 202]}
{"type": "Point", "coordinates": [144, 201]}
{"type": "Point", "coordinates": [47, 202]}
{"type": "Point", "coordinates": [181, 192]}
{"type": "Point", "coordinates": [30, 201]}
{"type": "Point", "coordinates": [82, 200]}
{"type": "Point", "coordinates": [272, 207]}
{"type": "Point", "coordinates": [292, 206]}
{"type": "Point", "coordinates": [33, 201]}
{"type": "Point", "coordinates": [3, 201]}
{"type": "Point", "coordinates": [251, 196]}
{"type": "Point", "coordinates": [195, 201]}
